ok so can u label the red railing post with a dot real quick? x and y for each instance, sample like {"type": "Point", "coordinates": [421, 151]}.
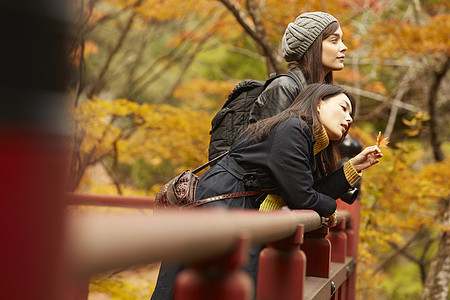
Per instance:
{"type": "Point", "coordinates": [352, 243]}
{"type": "Point", "coordinates": [318, 252]}
{"type": "Point", "coordinates": [352, 231]}
{"type": "Point", "coordinates": [352, 240]}
{"type": "Point", "coordinates": [282, 269]}
{"type": "Point", "coordinates": [338, 240]}
{"type": "Point", "coordinates": [218, 279]}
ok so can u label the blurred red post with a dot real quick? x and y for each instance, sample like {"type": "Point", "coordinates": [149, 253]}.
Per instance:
{"type": "Point", "coordinates": [33, 148]}
{"type": "Point", "coordinates": [219, 279]}
{"type": "Point", "coordinates": [31, 214]}
{"type": "Point", "coordinates": [282, 269]}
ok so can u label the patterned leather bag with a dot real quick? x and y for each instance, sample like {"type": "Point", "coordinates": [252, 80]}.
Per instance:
{"type": "Point", "coordinates": [180, 191]}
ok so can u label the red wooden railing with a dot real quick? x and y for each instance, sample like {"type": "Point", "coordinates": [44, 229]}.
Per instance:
{"type": "Point", "coordinates": [302, 260]}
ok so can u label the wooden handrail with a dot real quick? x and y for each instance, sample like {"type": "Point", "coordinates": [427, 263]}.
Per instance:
{"type": "Point", "coordinates": [109, 200]}
{"type": "Point", "coordinates": [103, 242]}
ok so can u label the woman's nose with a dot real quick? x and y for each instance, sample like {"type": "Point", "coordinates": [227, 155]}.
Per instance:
{"type": "Point", "coordinates": [343, 48]}
{"type": "Point", "coordinates": [349, 119]}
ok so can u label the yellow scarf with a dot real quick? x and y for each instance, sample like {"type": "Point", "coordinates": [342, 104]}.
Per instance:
{"type": "Point", "coordinates": [275, 202]}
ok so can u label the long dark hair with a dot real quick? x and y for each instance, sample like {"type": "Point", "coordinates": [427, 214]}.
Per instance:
{"type": "Point", "coordinates": [304, 107]}
{"type": "Point", "coordinates": [311, 62]}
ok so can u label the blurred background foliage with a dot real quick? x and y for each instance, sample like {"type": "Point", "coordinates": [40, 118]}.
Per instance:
{"type": "Point", "coordinates": [149, 75]}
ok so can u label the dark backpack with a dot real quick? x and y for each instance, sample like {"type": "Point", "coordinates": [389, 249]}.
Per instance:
{"type": "Point", "coordinates": [233, 118]}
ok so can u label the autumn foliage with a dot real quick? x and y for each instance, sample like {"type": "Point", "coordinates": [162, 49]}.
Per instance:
{"type": "Point", "coordinates": [149, 76]}
{"type": "Point", "coordinates": [403, 202]}
{"type": "Point", "coordinates": [129, 132]}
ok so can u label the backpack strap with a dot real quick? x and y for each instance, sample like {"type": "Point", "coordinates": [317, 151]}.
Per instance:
{"type": "Point", "coordinates": [298, 77]}
{"type": "Point", "coordinates": [212, 161]}
{"type": "Point", "coordinates": [271, 78]}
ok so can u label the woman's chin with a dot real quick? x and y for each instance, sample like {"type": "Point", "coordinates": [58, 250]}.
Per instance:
{"type": "Point", "coordinates": [334, 137]}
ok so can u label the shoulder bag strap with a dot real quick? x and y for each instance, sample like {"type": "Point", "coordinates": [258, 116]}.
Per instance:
{"type": "Point", "coordinates": [227, 196]}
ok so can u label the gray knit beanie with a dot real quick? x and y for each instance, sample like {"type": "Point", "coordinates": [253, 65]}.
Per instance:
{"type": "Point", "coordinates": [301, 33]}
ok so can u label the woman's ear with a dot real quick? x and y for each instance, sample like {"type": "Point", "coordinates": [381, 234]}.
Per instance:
{"type": "Point", "coordinates": [319, 106]}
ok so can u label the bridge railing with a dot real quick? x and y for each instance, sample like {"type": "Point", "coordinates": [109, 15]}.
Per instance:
{"type": "Point", "coordinates": [302, 260]}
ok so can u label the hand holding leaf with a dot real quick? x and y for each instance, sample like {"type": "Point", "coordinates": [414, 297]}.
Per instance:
{"type": "Point", "coordinates": [367, 158]}
{"type": "Point", "coordinates": [371, 155]}
{"type": "Point", "coordinates": [381, 141]}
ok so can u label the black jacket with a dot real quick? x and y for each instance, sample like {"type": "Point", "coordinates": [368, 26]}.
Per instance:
{"type": "Point", "coordinates": [285, 161]}
{"type": "Point", "coordinates": [278, 96]}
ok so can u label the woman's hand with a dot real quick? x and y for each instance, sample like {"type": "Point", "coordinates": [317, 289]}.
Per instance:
{"type": "Point", "coordinates": [367, 158]}
{"type": "Point", "coordinates": [331, 221]}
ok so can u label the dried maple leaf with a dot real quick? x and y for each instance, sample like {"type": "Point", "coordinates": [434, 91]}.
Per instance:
{"type": "Point", "coordinates": [381, 141]}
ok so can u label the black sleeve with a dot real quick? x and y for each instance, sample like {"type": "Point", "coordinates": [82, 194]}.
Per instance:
{"type": "Point", "coordinates": [334, 185]}
{"type": "Point", "coordinates": [290, 163]}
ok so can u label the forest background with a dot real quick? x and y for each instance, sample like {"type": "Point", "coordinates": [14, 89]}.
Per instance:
{"type": "Point", "coordinates": [149, 75]}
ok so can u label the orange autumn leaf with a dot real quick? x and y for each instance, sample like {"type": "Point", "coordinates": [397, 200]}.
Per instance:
{"type": "Point", "coordinates": [382, 141]}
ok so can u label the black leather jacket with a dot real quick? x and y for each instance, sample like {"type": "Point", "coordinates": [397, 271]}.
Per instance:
{"type": "Point", "coordinates": [278, 96]}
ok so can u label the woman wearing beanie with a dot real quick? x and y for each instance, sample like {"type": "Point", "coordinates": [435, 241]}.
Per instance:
{"type": "Point", "coordinates": [292, 154]}
{"type": "Point", "coordinates": [313, 48]}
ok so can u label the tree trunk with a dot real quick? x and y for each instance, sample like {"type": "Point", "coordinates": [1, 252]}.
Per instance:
{"type": "Point", "coordinates": [434, 128]}
{"type": "Point", "coordinates": [438, 277]}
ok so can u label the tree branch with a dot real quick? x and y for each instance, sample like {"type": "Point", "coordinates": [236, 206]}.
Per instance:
{"type": "Point", "coordinates": [239, 50]}
{"type": "Point", "coordinates": [403, 88]}
{"type": "Point", "coordinates": [257, 34]}
{"type": "Point", "coordinates": [263, 39]}
{"type": "Point", "coordinates": [143, 81]}
{"type": "Point", "coordinates": [177, 82]}
{"type": "Point", "coordinates": [104, 19]}
{"type": "Point", "coordinates": [240, 19]}
{"type": "Point", "coordinates": [398, 250]}
{"type": "Point", "coordinates": [99, 83]}
{"type": "Point", "coordinates": [136, 62]}
{"type": "Point", "coordinates": [111, 172]}
{"type": "Point", "coordinates": [380, 98]}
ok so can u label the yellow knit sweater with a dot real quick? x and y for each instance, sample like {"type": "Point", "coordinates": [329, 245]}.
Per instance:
{"type": "Point", "coordinates": [275, 202]}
